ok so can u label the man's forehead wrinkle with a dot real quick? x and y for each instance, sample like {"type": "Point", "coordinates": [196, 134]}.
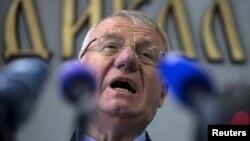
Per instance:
{"type": "Point", "coordinates": [104, 27]}
{"type": "Point", "coordinates": [131, 28]}
{"type": "Point", "coordinates": [112, 33]}
{"type": "Point", "coordinates": [120, 35]}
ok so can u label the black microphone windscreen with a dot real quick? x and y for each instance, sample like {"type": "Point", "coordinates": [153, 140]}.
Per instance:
{"type": "Point", "coordinates": [21, 82]}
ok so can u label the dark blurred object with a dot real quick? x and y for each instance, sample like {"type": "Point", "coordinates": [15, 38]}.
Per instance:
{"type": "Point", "coordinates": [192, 85]}
{"type": "Point", "coordinates": [235, 99]}
{"type": "Point", "coordinates": [77, 85]}
{"type": "Point", "coordinates": [21, 81]}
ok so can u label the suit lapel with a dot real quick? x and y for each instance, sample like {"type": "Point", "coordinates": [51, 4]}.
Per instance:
{"type": "Point", "coordinates": [147, 137]}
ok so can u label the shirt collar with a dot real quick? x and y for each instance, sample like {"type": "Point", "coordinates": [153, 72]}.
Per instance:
{"type": "Point", "coordinates": [141, 137]}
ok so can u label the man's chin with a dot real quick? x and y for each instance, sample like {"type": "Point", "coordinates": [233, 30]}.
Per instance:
{"type": "Point", "coordinates": [120, 112]}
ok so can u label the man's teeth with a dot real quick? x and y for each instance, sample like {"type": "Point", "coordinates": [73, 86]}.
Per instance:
{"type": "Point", "coordinates": [123, 90]}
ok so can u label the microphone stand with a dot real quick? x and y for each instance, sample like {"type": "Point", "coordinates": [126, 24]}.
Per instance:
{"type": "Point", "coordinates": [6, 132]}
{"type": "Point", "coordinates": [207, 109]}
{"type": "Point", "coordinates": [85, 109]}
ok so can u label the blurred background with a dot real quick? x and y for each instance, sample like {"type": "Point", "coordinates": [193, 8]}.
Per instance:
{"type": "Point", "coordinates": [214, 32]}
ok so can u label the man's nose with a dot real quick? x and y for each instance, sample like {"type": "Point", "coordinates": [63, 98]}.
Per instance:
{"type": "Point", "coordinates": [126, 60]}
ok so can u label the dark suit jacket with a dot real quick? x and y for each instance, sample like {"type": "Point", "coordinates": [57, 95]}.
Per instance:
{"type": "Point", "coordinates": [74, 137]}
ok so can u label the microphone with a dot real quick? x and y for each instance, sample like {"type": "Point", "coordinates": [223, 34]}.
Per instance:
{"type": "Point", "coordinates": [77, 85]}
{"type": "Point", "coordinates": [185, 78]}
{"type": "Point", "coordinates": [21, 81]}
{"type": "Point", "coordinates": [75, 81]}
{"type": "Point", "coordinates": [192, 86]}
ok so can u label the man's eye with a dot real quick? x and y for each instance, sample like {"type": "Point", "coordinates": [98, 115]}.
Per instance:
{"type": "Point", "coordinates": [110, 47]}
{"type": "Point", "coordinates": [147, 55]}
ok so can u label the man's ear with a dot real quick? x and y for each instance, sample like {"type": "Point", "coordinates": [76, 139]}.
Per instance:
{"type": "Point", "coordinates": [164, 92]}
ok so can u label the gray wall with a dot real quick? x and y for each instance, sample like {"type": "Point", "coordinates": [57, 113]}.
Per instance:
{"type": "Point", "coordinates": [52, 118]}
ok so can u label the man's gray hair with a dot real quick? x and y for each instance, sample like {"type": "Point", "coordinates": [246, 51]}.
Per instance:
{"type": "Point", "coordinates": [138, 18]}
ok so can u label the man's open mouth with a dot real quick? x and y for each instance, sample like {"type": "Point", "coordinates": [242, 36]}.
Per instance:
{"type": "Point", "coordinates": [123, 86]}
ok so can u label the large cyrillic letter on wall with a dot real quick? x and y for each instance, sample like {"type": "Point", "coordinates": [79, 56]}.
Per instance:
{"type": "Point", "coordinates": [92, 14]}
{"type": "Point", "coordinates": [179, 13]}
{"type": "Point", "coordinates": [12, 47]}
{"type": "Point", "coordinates": [233, 41]}
{"type": "Point", "coordinates": [120, 4]}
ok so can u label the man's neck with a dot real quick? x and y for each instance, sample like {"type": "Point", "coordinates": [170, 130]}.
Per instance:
{"type": "Point", "coordinates": [115, 130]}
{"type": "Point", "coordinates": [113, 133]}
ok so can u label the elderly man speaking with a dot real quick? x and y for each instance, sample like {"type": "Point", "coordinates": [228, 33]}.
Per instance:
{"type": "Point", "coordinates": [123, 50]}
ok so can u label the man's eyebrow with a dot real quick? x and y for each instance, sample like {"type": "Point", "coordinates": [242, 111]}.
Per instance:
{"type": "Point", "coordinates": [145, 41]}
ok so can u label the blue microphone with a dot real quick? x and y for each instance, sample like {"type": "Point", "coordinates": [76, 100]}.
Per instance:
{"type": "Point", "coordinates": [193, 87]}
{"type": "Point", "coordinates": [20, 84]}
{"type": "Point", "coordinates": [185, 77]}
{"type": "Point", "coordinates": [75, 81]}
{"type": "Point", "coordinates": [77, 85]}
